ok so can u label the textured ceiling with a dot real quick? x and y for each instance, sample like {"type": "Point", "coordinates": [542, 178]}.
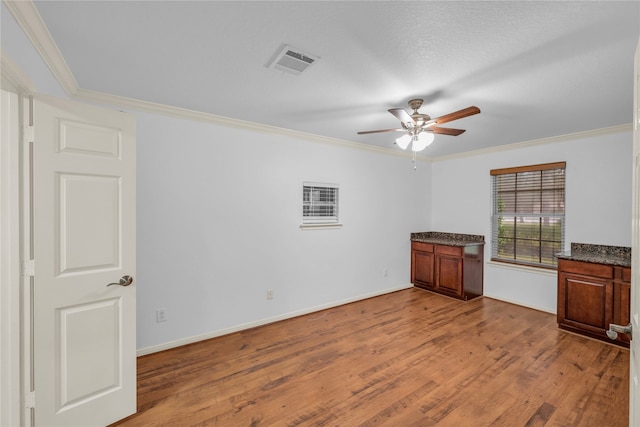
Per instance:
{"type": "Point", "coordinates": [535, 69]}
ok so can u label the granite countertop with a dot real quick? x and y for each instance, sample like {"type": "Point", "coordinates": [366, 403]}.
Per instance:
{"type": "Point", "coordinates": [601, 254]}
{"type": "Point", "coordinates": [449, 239]}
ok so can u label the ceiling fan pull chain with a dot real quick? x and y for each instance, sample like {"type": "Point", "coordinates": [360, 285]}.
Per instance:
{"type": "Point", "coordinates": [414, 161]}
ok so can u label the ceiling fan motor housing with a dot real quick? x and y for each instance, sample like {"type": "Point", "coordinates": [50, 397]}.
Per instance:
{"type": "Point", "coordinates": [419, 119]}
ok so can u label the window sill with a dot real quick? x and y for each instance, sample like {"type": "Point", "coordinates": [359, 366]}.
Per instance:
{"type": "Point", "coordinates": [320, 226]}
{"type": "Point", "coordinates": [523, 268]}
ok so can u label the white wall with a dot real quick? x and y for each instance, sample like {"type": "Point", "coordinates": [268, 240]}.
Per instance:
{"type": "Point", "coordinates": [598, 204]}
{"type": "Point", "coordinates": [219, 211]}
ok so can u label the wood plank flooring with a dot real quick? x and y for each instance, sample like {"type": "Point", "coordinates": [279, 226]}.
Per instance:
{"type": "Point", "coordinates": [409, 358]}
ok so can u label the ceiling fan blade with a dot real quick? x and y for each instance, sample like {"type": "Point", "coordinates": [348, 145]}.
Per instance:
{"type": "Point", "coordinates": [447, 131]}
{"type": "Point", "coordinates": [402, 115]}
{"type": "Point", "coordinates": [465, 112]}
{"type": "Point", "coordinates": [382, 130]}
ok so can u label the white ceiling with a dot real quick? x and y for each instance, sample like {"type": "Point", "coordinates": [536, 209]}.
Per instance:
{"type": "Point", "coordinates": [536, 69]}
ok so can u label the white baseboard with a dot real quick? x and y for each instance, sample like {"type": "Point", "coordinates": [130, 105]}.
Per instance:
{"type": "Point", "coordinates": [534, 307]}
{"type": "Point", "coordinates": [190, 340]}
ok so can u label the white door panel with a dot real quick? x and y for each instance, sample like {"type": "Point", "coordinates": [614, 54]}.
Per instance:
{"type": "Point", "coordinates": [88, 212]}
{"type": "Point", "coordinates": [90, 362]}
{"type": "Point", "coordinates": [89, 139]}
{"type": "Point", "coordinates": [84, 239]}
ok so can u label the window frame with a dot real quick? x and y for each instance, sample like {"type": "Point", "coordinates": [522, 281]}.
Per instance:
{"type": "Point", "coordinates": [549, 218]}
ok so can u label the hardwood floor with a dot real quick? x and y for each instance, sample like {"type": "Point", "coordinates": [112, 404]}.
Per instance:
{"type": "Point", "coordinates": [410, 358]}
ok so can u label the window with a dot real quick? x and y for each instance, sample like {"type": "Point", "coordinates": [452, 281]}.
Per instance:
{"type": "Point", "coordinates": [319, 203]}
{"type": "Point", "coordinates": [527, 222]}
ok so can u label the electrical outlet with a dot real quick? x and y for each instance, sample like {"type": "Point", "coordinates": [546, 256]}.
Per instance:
{"type": "Point", "coordinates": [269, 294]}
{"type": "Point", "coordinates": [161, 315]}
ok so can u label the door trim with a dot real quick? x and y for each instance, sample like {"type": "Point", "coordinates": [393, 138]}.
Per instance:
{"type": "Point", "coordinates": [17, 88]}
{"type": "Point", "coordinates": [11, 277]}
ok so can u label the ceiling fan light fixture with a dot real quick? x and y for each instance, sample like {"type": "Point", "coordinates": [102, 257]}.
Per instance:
{"type": "Point", "coordinates": [403, 141]}
{"type": "Point", "coordinates": [421, 128]}
{"type": "Point", "coordinates": [422, 141]}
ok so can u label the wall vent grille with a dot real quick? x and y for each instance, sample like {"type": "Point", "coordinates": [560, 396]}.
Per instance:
{"type": "Point", "coordinates": [292, 60]}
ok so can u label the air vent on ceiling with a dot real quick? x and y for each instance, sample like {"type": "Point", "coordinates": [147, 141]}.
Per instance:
{"type": "Point", "coordinates": [292, 60]}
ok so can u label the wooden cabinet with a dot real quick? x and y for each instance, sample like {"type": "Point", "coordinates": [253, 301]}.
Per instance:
{"type": "Point", "coordinates": [456, 271]}
{"type": "Point", "coordinates": [422, 264]}
{"type": "Point", "coordinates": [591, 296]}
{"type": "Point", "coordinates": [622, 296]}
{"type": "Point", "coordinates": [448, 269]}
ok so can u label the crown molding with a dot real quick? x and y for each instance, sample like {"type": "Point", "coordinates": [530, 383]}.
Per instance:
{"type": "Point", "coordinates": [543, 141]}
{"type": "Point", "coordinates": [29, 19]}
{"type": "Point", "coordinates": [184, 113]}
{"type": "Point", "coordinates": [13, 75]}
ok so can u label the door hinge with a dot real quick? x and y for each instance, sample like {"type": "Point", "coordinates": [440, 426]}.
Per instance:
{"type": "Point", "coordinates": [30, 399]}
{"type": "Point", "coordinates": [27, 134]}
{"type": "Point", "coordinates": [29, 268]}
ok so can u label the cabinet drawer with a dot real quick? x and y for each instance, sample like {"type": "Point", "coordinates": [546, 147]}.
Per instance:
{"type": "Point", "coordinates": [449, 250]}
{"type": "Point", "coordinates": [586, 268]}
{"type": "Point", "coordinates": [624, 274]}
{"type": "Point", "coordinates": [420, 246]}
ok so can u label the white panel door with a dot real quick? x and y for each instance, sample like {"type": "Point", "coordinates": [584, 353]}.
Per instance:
{"type": "Point", "coordinates": [84, 239]}
{"type": "Point", "coordinates": [634, 387]}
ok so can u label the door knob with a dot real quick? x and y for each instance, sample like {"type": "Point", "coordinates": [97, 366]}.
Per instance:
{"type": "Point", "coordinates": [612, 333]}
{"type": "Point", "coordinates": [124, 281]}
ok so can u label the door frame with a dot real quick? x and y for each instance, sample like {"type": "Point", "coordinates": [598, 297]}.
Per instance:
{"type": "Point", "coordinates": [634, 389]}
{"type": "Point", "coordinates": [17, 89]}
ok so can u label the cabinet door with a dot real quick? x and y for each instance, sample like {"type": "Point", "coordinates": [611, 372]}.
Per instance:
{"type": "Point", "coordinates": [622, 299]}
{"type": "Point", "coordinates": [422, 268]}
{"type": "Point", "coordinates": [621, 306]}
{"type": "Point", "coordinates": [448, 274]}
{"type": "Point", "coordinates": [585, 303]}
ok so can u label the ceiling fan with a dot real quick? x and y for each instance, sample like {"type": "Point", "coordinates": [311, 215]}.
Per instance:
{"type": "Point", "coordinates": [421, 128]}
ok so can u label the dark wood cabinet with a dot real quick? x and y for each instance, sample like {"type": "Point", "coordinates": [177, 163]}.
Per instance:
{"type": "Point", "coordinates": [622, 296]}
{"type": "Point", "coordinates": [448, 269]}
{"type": "Point", "coordinates": [456, 271]}
{"type": "Point", "coordinates": [422, 262]}
{"type": "Point", "coordinates": [591, 296]}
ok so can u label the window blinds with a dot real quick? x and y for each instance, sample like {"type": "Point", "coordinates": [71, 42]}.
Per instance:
{"type": "Point", "coordinates": [528, 214]}
{"type": "Point", "coordinates": [319, 203]}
